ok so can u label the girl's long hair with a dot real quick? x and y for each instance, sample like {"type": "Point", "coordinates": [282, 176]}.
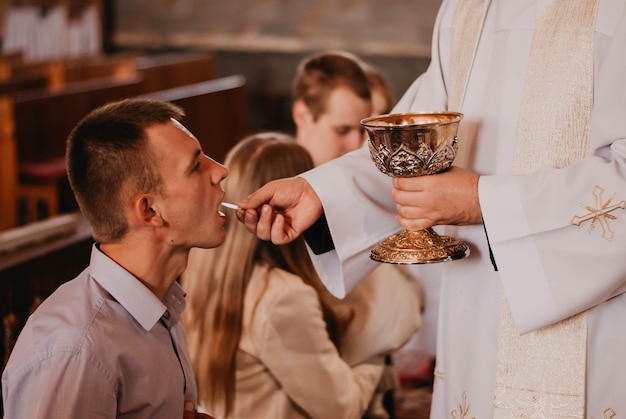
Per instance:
{"type": "Point", "coordinates": [216, 279]}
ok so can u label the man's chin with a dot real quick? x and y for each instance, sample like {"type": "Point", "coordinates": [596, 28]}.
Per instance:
{"type": "Point", "coordinates": [217, 241]}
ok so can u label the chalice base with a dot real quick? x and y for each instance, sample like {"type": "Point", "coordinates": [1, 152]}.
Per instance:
{"type": "Point", "coordinates": [418, 247]}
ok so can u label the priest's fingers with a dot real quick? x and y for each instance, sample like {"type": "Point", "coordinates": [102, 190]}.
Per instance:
{"type": "Point", "coordinates": [414, 224]}
{"type": "Point", "coordinates": [445, 198]}
{"type": "Point", "coordinates": [249, 218]}
{"type": "Point", "coordinates": [264, 224]}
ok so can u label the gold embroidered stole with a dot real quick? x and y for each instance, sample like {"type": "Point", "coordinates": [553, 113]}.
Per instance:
{"type": "Point", "coordinates": [468, 19]}
{"type": "Point", "coordinates": [467, 24]}
{"type": "Point", "coordinates": [541, 374]}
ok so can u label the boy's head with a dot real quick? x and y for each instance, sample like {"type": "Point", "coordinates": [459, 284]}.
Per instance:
{"type": "Point", "coordinates": [331, 95]}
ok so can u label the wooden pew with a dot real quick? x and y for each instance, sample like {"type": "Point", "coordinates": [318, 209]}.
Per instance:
{"type": "Point", "coordinates": [7, 61]}
{"type": "Point", "coordinates": [160, 71]}
{"type": "Point", "coordinates": [57, 109]}
{"type": "Point", "coordinates": [67, 70]}
{"type": "Point", "coordinates": [43, 119]}
{"type": "Point", "coordinates": [11, 84]}
{"type": "Point", "coordinates": [8, 148]}
{"type": "Point", "coordinates": [52, 70]}
{"type": "Point", "coordinates": [28, 275]}
{"type": "Point", "coordinates": [8, 166]}
{"type": "Point", "coordinates": [216, 111]}
{"type": "Point", "coordinates": [99, 66]}
{"type": "Point", "coordinates": [11, 57]}
{"type": "Point", "coordinates": [169, 70]}
{"type": "Point", "coordinates": [74, 88]}
{"type": "Point", "coordinates": [38, 79]}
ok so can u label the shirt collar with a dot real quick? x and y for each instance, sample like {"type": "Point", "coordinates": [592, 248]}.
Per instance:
{"type": "Point", "coordinates": [175, 302]}
{"type": "Point", "coordinates": [135, 297]}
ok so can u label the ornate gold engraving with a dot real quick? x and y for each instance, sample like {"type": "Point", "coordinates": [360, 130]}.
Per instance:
{"type": "Point", "coordinates": [463, 412]}
{"type": "Point", "coordinates": [425, 246]}
{"type": "Point", "coordinates": [607, 414]}
{"type": "Point", "coordinates": [408, 163]}
{"type": "Point", "coordinates": [599, 214]}
{"type": "Point", "coordinates": [408, 145]}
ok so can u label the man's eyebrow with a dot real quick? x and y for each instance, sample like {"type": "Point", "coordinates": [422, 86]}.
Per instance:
{"type": "Point", "coordinates": [194, 160]}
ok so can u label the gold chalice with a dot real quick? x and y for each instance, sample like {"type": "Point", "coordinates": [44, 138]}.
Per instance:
{"type": "Point", "coordinates": [407, 145]}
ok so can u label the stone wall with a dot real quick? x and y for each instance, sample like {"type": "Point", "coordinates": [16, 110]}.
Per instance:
{"type": "Point", "coordinates": [384, 27]}
{"type": "Point", "coordinates": [265, 39]}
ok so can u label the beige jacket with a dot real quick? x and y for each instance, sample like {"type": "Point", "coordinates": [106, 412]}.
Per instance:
{"type": "Point", "coordinates": [386, 311]}
{"type": "Point", "coordinates": [287, 367]}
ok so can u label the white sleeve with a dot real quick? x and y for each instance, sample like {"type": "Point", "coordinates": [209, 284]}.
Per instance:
{"type": "Point", "coordinates": [357, 198]}
{"type": "Point", "coordinates": [552, 264]}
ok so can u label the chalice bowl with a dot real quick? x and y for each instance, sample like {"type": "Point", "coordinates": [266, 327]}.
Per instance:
{"type": "Point", "coordinates": [408, 145]}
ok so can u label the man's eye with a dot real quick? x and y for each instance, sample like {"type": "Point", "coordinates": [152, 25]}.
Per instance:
{"type": "Point", "coordinates": [196, 167]}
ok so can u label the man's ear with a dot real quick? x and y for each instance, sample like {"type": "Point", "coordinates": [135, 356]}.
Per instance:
{"type": "Point", "coordinates": [301, 113]}
{"type": "Point", "coordinates": [146, 211]}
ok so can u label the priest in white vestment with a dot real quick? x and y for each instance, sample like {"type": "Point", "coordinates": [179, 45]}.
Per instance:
{"type": "Point", "coordinates": [532, 323]}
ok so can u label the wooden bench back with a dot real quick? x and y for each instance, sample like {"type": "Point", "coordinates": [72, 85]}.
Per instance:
{"type": "Point", "coordinates": [166, 71]}
{"type": "Point", "coordinates": [159, 71]}
{"type": "Point", "coordinates": [44, 117]}
{"type": "Point", "coordinates": [96, 67]}
{"type": "Point", "coordinates": [8, 166]}
{"type": "Point", "coordinates": [46, 99]}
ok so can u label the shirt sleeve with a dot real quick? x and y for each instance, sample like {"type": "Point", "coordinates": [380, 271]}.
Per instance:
{"type": "Point", "coordinates": [359, 211]}
{"type": "Point", "coordinates": [66, 384]}
{"type": "Point", "coordinates": [297, 350]}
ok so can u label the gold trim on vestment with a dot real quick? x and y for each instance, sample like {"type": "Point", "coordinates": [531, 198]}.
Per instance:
{"type": "Point", "coordinates": [599, 214]}
{"type": "Point", "coordinates": [542, 373]}
{"type": "Point", "coordinates": [464, 410]}
{"type": "Point", "coordinates": [607, 414]}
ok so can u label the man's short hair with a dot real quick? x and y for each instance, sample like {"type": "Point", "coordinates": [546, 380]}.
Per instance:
{"type": "Point", "coordinates": [108, 161]}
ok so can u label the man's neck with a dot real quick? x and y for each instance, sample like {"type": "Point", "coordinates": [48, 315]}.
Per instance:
{"type": "Point", "coordinates": [153, 265]}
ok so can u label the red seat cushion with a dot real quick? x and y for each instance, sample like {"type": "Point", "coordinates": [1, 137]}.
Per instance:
{"type": "Point", "coordinates": [46, 170]}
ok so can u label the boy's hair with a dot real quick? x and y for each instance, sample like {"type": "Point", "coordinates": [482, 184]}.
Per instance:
{"type": "Point", "coordinates": [318, 75]}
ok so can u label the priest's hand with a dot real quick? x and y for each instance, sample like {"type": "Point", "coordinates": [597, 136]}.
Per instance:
{"type": "Point", "coordinates": [447, 198]}
{"type": "Point", "coordinates": [281, 210]}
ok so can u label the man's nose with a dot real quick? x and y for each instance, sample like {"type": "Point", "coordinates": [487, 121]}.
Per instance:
{"type": "Point", "coordinates": [218, 171]}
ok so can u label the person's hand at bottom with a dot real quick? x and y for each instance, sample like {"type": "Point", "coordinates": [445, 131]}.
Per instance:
{"type": "Point", "coordinates": [189, 412]}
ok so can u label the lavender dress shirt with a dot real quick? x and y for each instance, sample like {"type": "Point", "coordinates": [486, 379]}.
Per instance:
{"type": "Point", "coordinates": [101, 346]}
